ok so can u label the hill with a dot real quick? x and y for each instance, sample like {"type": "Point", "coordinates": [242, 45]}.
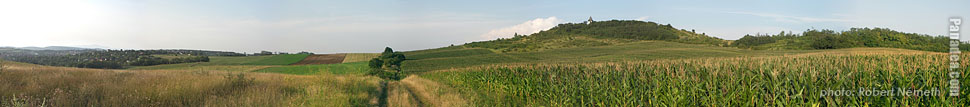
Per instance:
{"type": "Point", "coordinates": [598, 33]}
{"type": "Point", "coordinates": [456, 57]}
{"type": "Point", "coordinates": [624, 40]}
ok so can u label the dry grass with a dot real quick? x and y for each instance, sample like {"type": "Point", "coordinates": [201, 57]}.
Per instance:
{"type": "Point", "coordinates": [400, 96]}
{"type": "Point", "coordinates": [341, 90]}
{"type": "Point", "coordinates": [415, 91]}
{"type": "Point", "coordinates": [357, 57]}
{"type": "Point", "coordinates": [33, 85]}
{"type": "Point", "coordinates": [432, 93]}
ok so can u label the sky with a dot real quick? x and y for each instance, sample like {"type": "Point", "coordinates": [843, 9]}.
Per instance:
{"type": "Point", "coordinates": [350, 26]}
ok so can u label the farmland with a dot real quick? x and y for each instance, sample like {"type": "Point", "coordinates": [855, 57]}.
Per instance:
{"type": "Point", "coordinates": [598, 64]}
{"type": "Point", "coordinates": [321, 59]}
{"type": "Point", "coordinates": [232, 63]}
{"type": "Point", "coordinates": [786, 80]}
{"type": "Point", "coordinates": [628, 74]}
{"type": "Point", "coordinates": [459, 57]}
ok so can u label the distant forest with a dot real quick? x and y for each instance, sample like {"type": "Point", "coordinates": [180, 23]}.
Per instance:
{"type": "Point", "coordinates": [107, 59]}
{"type": "Point", "coordinates": [855, 37]}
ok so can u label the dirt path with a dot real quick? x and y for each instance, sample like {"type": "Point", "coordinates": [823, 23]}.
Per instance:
{"type": "Point", "coordinates": [415, 91]}
{"type": "Point", "coordinates": [321, 59]}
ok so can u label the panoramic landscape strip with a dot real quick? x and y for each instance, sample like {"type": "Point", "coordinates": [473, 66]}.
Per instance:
{"type": "Point", "coordinates": [232, 53]}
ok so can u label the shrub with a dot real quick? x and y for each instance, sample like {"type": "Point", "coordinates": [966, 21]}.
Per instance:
{"type": "Point", "coordinates": [388, 65]}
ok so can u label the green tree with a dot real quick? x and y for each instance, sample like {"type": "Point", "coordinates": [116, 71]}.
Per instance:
{"type": "Point", "coordinates": [388, 65]}
{"type": "Point", "coordinates": [827, 39]}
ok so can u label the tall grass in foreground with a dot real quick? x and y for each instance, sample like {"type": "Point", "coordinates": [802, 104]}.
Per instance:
{"type": "Point", "coordinates": [741, 81]}
{"type": "Point", "coordinates": [31, 85]}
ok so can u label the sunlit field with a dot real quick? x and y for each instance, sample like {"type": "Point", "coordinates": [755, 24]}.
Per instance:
{"type": "Point", "coordinates": [789, 80]}
{"type": "Point", "coordinates": [492, 53]}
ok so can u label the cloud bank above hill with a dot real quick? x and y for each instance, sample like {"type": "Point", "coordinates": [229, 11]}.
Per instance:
{"type": "Point", "coordinates": [525, 28]}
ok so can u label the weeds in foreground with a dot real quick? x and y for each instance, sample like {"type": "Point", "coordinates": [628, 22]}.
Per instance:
{"type": "Point", "coordinates": [60, 86]}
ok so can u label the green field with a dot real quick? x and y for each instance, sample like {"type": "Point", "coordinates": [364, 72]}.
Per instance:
{"type": "Point", "coordinates": [342, 68]}
{"type": "Point", "coordinates": [460, 57]}
{"type": "Point", "coordinates": [234, 63]}
{"type": "Point", "coordinates": [793, 80]}
{"type": "Point", "coordinates": [277, 60]}
{"type": "Point", "coordinates": [677, 74]}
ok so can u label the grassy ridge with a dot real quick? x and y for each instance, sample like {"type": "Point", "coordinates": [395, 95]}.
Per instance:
{"type": "Point", "coordinates": [449, 53]}
{"type": "Point", "coordinates": [792, 80]}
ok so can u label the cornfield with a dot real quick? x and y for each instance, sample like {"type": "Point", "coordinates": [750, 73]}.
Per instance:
{"type": "Point", "coordinates": [788, 80]}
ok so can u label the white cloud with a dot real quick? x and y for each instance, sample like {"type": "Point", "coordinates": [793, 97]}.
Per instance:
{"type": "Point", "coordinates": [644, 18]}
{"type": "Point", "coordinates": [528, 27]}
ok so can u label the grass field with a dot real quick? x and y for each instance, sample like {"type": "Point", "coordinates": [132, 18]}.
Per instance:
{"type": "Point", "coordinates": [358, 57]}
{"type": "Point", "coordinates": [235, 63]}
{"type": "Point", "coordinates": [279, 60]}
{"type": "Point", "coordinates": [343, 68]}
{"type": "Point", "coordinates": [34, 85]}
{"type": "Point", "coordinates": [459, 57]}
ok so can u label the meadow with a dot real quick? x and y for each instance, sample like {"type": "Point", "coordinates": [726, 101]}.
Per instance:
{"type": "Point", "coordinates": [358, 57]}
{"type": "Point", "coordinates": [32, 85]}
{"type": "Point", "coordinates": [226, 81]}
{"type": "Point", "coordinates": [343, 68]}
{"type": "Point", "coordinates": [231, 63]}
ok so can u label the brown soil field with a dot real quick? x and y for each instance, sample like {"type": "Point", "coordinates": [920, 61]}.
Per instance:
{"type": "Point", "coordinates": [321, 59]}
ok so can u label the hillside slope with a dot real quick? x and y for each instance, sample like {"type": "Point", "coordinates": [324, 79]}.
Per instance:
{"type": "Point", "coordinates": [599, 33]}
{"type": "Point", "coordinates": [461, 57]}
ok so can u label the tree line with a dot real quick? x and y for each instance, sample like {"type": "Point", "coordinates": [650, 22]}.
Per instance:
{"type": "Point", "coordinates": [109, 59]}
{"type": "Point", "coordinates": [855, 37]}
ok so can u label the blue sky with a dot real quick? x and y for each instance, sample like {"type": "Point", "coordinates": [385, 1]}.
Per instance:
{"type": "Point", "coordinates": [369, 25]}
